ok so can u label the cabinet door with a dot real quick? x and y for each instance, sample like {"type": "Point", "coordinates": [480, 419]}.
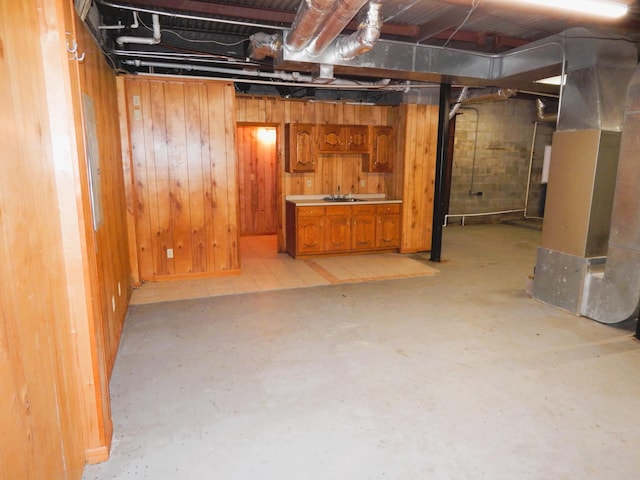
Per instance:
{"type": "Point", "coordinates": [310, 230]}
{"type": "Point", "coordinates": [331, 138]}
{"type": "Point", "coordinates": [388, 226]}
{"type": "Point", "coordinates": [358, 139]}
{"type": "Point", "coordinates": [382, 150]}
{"type": "Point", "coordinates": [337, 229]}
{"type": "Point", "coordinates": [363, 231]}
{"type": "Point", "coordinates": [300, 142]}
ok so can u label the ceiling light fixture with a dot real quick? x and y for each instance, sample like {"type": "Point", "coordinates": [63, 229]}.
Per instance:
{"type": "Point", "coordinates": [557, 80]}
{"type": "Point", "coordinates": [600, 8]}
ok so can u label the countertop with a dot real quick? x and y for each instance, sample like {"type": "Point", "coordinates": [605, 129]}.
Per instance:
{"type": "Point", "coordinates": [364, 199]}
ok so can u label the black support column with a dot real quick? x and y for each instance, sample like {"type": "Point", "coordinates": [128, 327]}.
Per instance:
{"type": "Point", "coordinates": [441, 163]}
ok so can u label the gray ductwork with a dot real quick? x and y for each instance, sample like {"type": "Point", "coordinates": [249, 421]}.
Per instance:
{"type": "Point", "coordinates": [365, 37]}
{"type": "Point", "coordinates": [317, 24]}
{"type": "Point", "coordinates": [263, 45]}
{"type": "Point", "coordinates": [541, 112]}
{"type": "Point", "coordinates": [309, 18]}
{"type": "Point", "coordinates": [342, 13]}
{"type": "Point", "coordinates": [613, 295]}
{"type": "Point", "coordinates": [591, 220]}
{"type": "Point", "coordinates": [464, 98]}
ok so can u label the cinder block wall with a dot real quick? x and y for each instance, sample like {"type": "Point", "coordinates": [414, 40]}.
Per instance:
{"type": "Point", "coordinates": [501, 134]}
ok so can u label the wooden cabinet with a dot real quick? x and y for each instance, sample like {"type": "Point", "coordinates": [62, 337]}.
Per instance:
{"type": "Point", "coordinates": [388, 225]}
{"type": "Point", "coordinates": [300, 147]}
{"type": "Point", "coordinates": [383, 150]}
{"type": "Point", "coordinates": [364, 227]}
{"type": "Point", "coordinates": [309, 230]}
{"type": "Point", "coordinates": [337, 228]}
{"type": "Point", "coordinates": [343, 138]}
{"type": "Point", "coordinates": [318, 230]}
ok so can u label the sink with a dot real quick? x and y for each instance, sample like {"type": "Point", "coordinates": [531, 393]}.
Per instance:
{"type": "Point", "coordinates": [339, 199]}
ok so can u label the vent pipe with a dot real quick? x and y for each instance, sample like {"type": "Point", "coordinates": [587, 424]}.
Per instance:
{"type": "Point", "coordinates": [464, 93]}
{"type": "Point", "coordinates": [612, 295]}
{"type": "Point", "coordinates": [365, 38]}
{"type": "Point", "coordinates": [541, 115]}
{"type": "Point", "coordinates": [311, 14]}
{"type": "Point", "coordinates": [263, 45]}
{"type": "Point", "coordinates": [465, 99]}
{"type": "Point", "coordinates": [144, 40]}
{"type": "Point", "coordinates": [341, 14]}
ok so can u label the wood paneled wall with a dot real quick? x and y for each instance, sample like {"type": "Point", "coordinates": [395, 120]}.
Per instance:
{"type": "Point", "coordinates": [184, 171]}
{"type": "Point", "coordinates": [108, 267]}
{"type": "Point", "coordinates": [420, 138]}
{"type": "Point", "coordinates": [61, 310]}
{"type": "Point", "coordinates": [331, 170]}
{"type": "Point", "coordinates": [40, 404]}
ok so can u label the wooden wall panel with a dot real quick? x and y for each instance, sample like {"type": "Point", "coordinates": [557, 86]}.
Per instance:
{"type": "Point", "coordinates": [55, 344]}
{"type": "Point", "coordinates": [183, 153]}
{"type": "Point", "coordinates": [420, 140]}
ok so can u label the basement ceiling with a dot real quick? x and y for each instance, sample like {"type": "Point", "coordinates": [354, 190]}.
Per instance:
{"type": "Point", "coordinates": [211, 38]}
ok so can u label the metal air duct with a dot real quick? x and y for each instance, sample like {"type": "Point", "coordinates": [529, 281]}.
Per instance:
{"type": "Point", "coordinates": [579, 233]}
{"type": "Point", "coordinates": [612, 294]}
{"type": "Point", "coordinates": [541, 115]}
{"type": "Point", "coordinates": [263, 45]}
{"type": "Point", "coordinates": [311, 14]}
{"type": "Point", "coordinates": [365, 37]}
{"type": "Point", "coordinates": [341, 14]}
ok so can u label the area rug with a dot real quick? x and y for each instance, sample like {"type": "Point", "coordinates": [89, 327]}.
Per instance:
{"type": "Point", "coordinates": [364, 268]}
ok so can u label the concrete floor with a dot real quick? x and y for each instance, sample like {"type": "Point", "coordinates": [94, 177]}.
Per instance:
{"type": "Point", "coordinates": [455, 376]}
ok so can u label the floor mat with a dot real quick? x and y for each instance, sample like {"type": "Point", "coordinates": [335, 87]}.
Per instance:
{"type": "Point", "coordinates": [363, 268]}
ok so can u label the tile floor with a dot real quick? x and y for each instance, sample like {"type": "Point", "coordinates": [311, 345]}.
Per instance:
{"type": "Point", "coordinates": [264, 269]}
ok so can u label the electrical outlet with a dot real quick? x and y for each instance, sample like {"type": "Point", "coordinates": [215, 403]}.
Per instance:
{"type": "Point", "coordinates": [308, 183]}
{"type": "Point", "coordinates": [113, 302]}
{"type": "Point", "coordinates": [169, 252]}
{"type": "Point", "coordinates": [363, 182]}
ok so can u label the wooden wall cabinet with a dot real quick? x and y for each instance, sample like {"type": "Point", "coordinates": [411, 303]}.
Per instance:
{"type": "Point", "coordinates": [343, 138]}
{"type": "Point", "coordinates": [300, 145]}
{"type": "Point", "coordinates": [319, 230]}
{"type": "Point", "coordinates": [383, 150]}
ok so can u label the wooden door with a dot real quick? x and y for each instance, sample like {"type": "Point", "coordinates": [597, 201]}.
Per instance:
{"type": "Point", "coordinates": [257, 179]}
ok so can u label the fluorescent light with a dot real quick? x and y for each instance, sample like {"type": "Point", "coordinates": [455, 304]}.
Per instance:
{"type": "Point", "coordinates": [557, 80]}
{"type": "Point", "coordinates": [600, 8]}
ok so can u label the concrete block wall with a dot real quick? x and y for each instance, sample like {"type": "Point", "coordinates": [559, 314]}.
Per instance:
{"type": "Point", "coordinates": [500, 136]}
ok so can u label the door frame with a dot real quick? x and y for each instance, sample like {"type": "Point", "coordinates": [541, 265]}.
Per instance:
{"type": "Point", "coordinates": [279, 174]}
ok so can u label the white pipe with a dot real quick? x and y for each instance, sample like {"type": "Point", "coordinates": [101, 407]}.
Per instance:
{"type": "Point", "coordinates": [192, 17]}
{"type": "Point", "coordinates": [144, 40]}
{"type": "Point", "coordinates": [463, 215]}
{"type": "Point", "coordinates": [306, 80]}
{"type": "Point", "coordinates": [533, 144]}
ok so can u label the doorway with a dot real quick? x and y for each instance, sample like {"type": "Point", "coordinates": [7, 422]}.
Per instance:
{"type": "Point", "coordinates": [257, 155]}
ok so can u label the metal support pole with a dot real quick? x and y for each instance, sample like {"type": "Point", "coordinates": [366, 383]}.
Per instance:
{"type": "Point", "coordinates": [441, 162]}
